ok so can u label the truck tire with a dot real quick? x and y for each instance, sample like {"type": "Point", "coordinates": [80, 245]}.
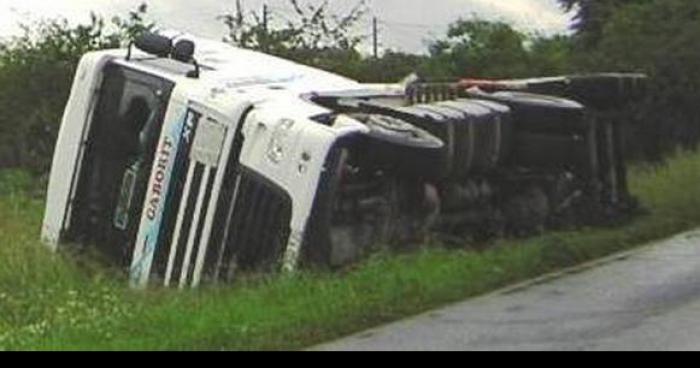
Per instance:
{"type": "Point", "coordinates": [461, 155]}
{"type": "Point", "coordinates": [536, 113]}
{"type": "Point", "coordinates": [504, 119]}
{"type": "Point", "coordinates": [486, 138]}
{"type": "Point", "coordinates": [404, 149]}
{"type": "Point", "coordinates": [436, 124]}
{"type": "Point", "coordinates": [428, 121]}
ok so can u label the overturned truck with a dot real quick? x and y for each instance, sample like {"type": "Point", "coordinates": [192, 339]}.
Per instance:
{"type": "Point", "coordinates": [185, 160]}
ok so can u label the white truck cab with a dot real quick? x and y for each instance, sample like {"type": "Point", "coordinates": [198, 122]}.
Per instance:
{"type": "Point", "coordinates": [160, 154]}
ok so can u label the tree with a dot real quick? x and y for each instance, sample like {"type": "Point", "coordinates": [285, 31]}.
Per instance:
{"type": "Point", "coordinates": [592, 16]}
{"type": "Point", "coordinates": [658, 37]}
{"type": "Point", "coordinates": [551, 55]}
{"type": "Point", "coordinates": [314, 30]}
{"type": "Point", "coordinates": [391, 67]}
{"type": "Point", "coordinates": [480, 48]}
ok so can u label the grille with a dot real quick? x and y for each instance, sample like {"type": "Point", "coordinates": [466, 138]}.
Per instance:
{"type": "Point", "coordinates": [257, 230]}
{"type": "Point", "coordinates": [217, 222]}
{"type": "Point", "coordinates": [186, 225]}
{"type": "Point", "coordinates": [191, 205]}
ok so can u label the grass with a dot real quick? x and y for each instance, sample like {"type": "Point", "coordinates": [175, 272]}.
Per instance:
{"type": "Point", "coordinates": [49, 301]}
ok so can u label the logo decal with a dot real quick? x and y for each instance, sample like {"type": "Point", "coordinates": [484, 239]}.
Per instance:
{"type": "Point", "coordinates": [157, 189]}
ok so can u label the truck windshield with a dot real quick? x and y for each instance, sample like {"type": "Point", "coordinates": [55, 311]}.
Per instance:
{"type": "Point", "coordinates": [116, 167]}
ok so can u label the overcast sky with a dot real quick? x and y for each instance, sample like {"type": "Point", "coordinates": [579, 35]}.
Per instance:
{"type": "Point", "coordinates": [405, 24]}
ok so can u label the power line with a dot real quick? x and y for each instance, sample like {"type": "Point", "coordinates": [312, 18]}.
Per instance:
{"type": "Point", "coordinates": [397, 32]}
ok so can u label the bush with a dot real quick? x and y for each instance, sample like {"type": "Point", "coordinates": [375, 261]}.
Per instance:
{"type": "Point", "coordinates": [36, 71]}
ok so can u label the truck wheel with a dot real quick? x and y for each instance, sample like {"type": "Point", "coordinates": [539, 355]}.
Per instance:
{"type": "Point", "coordinates": [405, 150]}
{"type": "Point", "coordinates": [540, 113]}
{"type": "Point", "coordinates": [490, 131]}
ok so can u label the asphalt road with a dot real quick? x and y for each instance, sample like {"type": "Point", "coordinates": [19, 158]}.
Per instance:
{"type": "Point", "coordinates": [643, 300]}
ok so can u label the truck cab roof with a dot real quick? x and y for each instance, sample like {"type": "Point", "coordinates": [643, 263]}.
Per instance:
{"type": "Point", "coordinates": [229, 67]}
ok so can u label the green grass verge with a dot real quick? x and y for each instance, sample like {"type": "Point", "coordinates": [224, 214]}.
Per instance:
{"type": "Point", "coordinates": [51, 302]}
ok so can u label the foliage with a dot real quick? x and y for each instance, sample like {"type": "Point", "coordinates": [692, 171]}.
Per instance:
{"type": "Point", "coordinates": [652, 36]}
{"type": "Point", "coordinates": [592, 16]}
{"type": "Point", "coordinates": [472, 47]}
{"type": "Point", "coordinates": [657, 37]}
{"type": "Point", "coordinates": [36, 71]}
{"type": "Point", "coordinates": [315, 34]}
{"type": "Point", "coordinates": [479, 48]}
{"type": "Point", "coordinates": [551, 56]}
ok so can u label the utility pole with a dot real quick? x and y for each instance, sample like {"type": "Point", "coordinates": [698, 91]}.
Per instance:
{"type": "Point", "coordinates": [375, 37]}
{"type": "Point", "coordinates": [265, 18]}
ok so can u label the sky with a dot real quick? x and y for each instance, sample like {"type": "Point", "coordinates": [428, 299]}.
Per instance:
{"type": "Point", "coordinates": [405, 25]}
